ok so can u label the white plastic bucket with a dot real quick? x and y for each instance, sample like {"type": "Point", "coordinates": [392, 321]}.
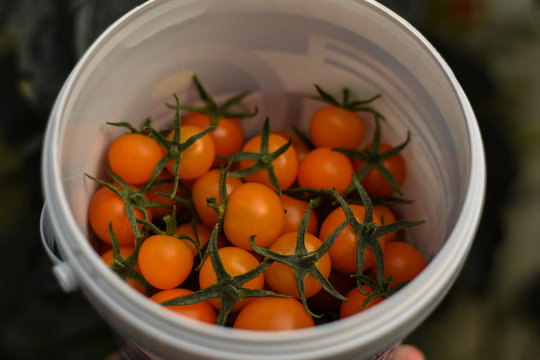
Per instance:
{"type": "Point", "coordinates": [277, 50]}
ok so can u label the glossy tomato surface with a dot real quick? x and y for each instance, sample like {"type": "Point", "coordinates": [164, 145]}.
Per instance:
{"type": "Point", "coordinates": [281, 277]}
{"type": "Point", "coordinates": [273, 313]}
{"type": "Point", "coordinates": [253, 209]}
{"type": "Point", "coordinates": [343, 250]}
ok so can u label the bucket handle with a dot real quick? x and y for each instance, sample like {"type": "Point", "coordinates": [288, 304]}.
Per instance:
{"type": "Point", "coordinates": [62, 270]}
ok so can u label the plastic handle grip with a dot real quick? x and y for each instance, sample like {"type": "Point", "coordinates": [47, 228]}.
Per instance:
{"type": "Point", "coordinates": [61, 270]}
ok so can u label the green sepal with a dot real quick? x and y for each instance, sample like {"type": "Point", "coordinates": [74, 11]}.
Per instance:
{"type": "Point", "coordinates": [373, 159]}
{"type": "Point", "coordinates": [302, 262]}
{"type": "Point", "coordinates": [215, 110]}
{"type": "Point", "coordinates": [174, 148]}
{"type": "Point", "coordinates": [262, 160]}
{"type": "Point", "coordinates": [133, 199]}
{"type": "Point", "coordinates": [346, 103]}
{"type": "Point", "coordinates": [367, 234]}
{"type": "Point", "coordinates": [125, 267]}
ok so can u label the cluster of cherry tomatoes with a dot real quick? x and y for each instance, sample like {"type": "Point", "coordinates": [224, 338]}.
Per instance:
{"type": "Point", "coordinates": [280, 231]}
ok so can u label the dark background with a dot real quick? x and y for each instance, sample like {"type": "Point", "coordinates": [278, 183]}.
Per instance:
{"type": "Point", "coordinates": [493, 46]}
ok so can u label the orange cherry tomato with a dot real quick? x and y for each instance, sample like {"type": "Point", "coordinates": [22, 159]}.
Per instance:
{"type": "Point", "coordinates": [356, 302]}
{"type": "Point", "coordinates": [323, 168]}
{"type": "Point", "coordinates": [374, 182]}
{"type": "Point", "coordinates": [323, 301]}
{"type": "Point", "coordinates": [253, 209]}
{"type": "Point", "coordinates": [202, 236]}
{"type": "Point", "coordinates": [228, 135]}
{"type": "Point", "coordinates": [166, 200]}
{"type": "Point", "coordinates": [402, 261]}
{"type": "Point", "coordinates": [300, 147]}
{"type": "Point", "coordinates": [133, 157]}
{"type": "Point", "coordinates": [105, 207]}
{"type": "Point", "coordinates": [236, 261]}
{"type": "Point", "coordinates": [343, 250]}
{"type": "Point", "coordinates": [333, 126]}
{"type": "Point", "coordinates": [196, 159]}
{"type": "Point", "coordinates": [202, 311]}
{"type": "Point", "coordinates": [387, 216]}
{"type": "Point", "coordinates": [285, 166]}
{"type": "Point", "coordinates": [165, 261]}
{"type": "Point", "coordinates": [281, 278]}
{"type": "Point", "coordinates": [125, 252]}
{"type": "Point", "coordinates": [273, 313]}
{"type": "Point", "coordinates": [207, 186]}
{"type": "Point", "coordinates": [294, 210]}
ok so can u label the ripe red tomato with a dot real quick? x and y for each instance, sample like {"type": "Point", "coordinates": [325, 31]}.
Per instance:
{"type": "Point", "coordinates": [253, 209]}
{"type": "Point", "coordinates": [281, 278]}
{"type": "Point", "coordinates": [196, 159]}
{"type": "Point", "coordinates": [105, 207]}
{"type": "Point", "coordinates": [133, 157]}
{"type": "Point", "coordinates": [402, 261]}
{"type": "Point", "coordinates": [323, 168]}
{"type": "Point", "coordinates": [125, 252]}
{"type": "Point", "coordinates": [285, 166]}
{"type": "Point", "coordinates": [294, 210]}
{"type": "Point", "coordinates": [165, 261]}
{"type": "Point", "coordinates": [207, 186]}
{"type": "Point", "coordinates": [202, 311]}
{"type": "Point", "coordinates": [333, 126]}
{"type": "Point", "coordinates": [236, 262]}
{"type": "Point", "coordinates": [343, 250]}
{"type": "Point", "coordinates": [273, 313]}
{"type": "Point", "coordinates": [228, 135]}
{"type": "Point", "coordinates": [374, 182]}
{"type": "Point", "coordinates": [356, 302]}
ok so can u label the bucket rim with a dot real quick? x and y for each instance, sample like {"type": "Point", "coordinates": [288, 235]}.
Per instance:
{"type": "Point", "coordinates": [421, 295]}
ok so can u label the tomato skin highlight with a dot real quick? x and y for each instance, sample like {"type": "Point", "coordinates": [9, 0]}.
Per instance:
{"type": "Point", "coordinates": [374, 182]}
{"type": "Point", "coordinates": [207, 186]}
{"type": "Point", "coordinates": [202, 311]}
{"type": "Point", "coordinates": [165, 261]}
{"type": "Point", "coordinates": [106, 206]}
{"type": "Point", "coordinates": [285, 166]}
{"type": "Point", "coordinates": [323, 168]}
{"type": "Point", "coordinates": [236, 261]}
{"type": "Point", "coordinates": [333, 126]}
{"type": "Point", "coordinates": [294, 211]}
{"type": "Point", "coordinates": [253, 209]}
{"type": "Point", "coordinates": [273, 313]}
{"type": "Point", "coordinates": [280, 277]}
{"type": "Point", "coordinates": [196, 159]}
{"type": "Point", "coordinates": [356, 301]}
{"type": "Point", "coordinates": [133, 157]}
{"type": "Point", "coordinates": [343, 250]}
{"type": "Point", "coordinates": [228, 135]}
